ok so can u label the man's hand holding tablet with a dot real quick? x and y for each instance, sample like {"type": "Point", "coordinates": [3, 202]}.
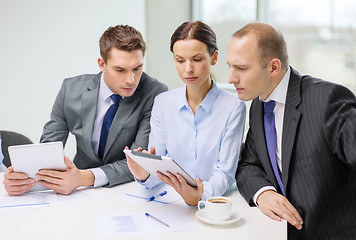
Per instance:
{"type": "Point", "coordinates": [17, 183]}
{"type": "Point", "coordinates": [65, 182]}
{"type": "Point", "coordinates": [46, 163]}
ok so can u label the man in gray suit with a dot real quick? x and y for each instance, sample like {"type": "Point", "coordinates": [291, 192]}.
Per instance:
{"type": "Point", "coordinates": [299, 158]}
{"type": "Point", "coordinates": [105, 112]}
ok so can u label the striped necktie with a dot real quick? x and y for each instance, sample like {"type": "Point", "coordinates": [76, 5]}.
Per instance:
{"type": "Point", "coordinates": [270, 133]}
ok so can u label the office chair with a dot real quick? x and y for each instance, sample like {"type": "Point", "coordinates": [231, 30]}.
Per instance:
{"type": "Point", "coordinates": [11, 139]}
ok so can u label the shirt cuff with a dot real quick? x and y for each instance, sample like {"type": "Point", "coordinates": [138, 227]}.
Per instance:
{"type": "Point", "coordinates": [100, 177]}
{"type": "Point", "coordinates": [150, 182]}
{"type": "Point", "coordinates": [207, 191]}
{"type": "Point", "coordinates": [261, 191]}
{"type": "Point", "coordinates": [3, 168]}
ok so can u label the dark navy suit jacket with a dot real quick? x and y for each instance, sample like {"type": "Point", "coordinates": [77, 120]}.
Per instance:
{"type": "Point", "coordinates": [318, 157]}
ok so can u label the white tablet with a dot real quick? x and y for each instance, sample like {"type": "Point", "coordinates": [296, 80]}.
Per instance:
{"type": "Point", "coordinates": [153, 163]}
{"type": "Point", "coordinates": [30, 158]}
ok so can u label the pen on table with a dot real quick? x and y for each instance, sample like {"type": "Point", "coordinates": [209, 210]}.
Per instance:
{"type": "Point", "coordinates": [154, 197]}
{"type": "Point", "coordinates": [149, 215]}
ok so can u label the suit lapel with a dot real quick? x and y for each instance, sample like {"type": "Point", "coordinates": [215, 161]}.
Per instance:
{"type": "Point", "coordinates": [126, 107]}
{"type": "Point", "coordinates": [89, 106]}
{"type": "Point", "coordinates": [290, 122]}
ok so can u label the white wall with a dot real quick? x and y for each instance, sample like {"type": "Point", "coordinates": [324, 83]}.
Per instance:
{"type": "Point", "coordinates": [44, 41]}
{"type": "Point", "coordinates": [163, 17]}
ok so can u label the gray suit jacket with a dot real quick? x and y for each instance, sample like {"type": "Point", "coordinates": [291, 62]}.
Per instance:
{"type": "Point", "coordinates": [318, 157]}
{"type": "Point", "coordinates": [74, 111]}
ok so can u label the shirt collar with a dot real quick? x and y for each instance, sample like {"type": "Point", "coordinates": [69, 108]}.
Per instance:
{"type": "Point", "coordinates": [279, 94]}
{"type": "Point", "coordinates": [104, 90]}
{"type": "Point", "coordinates": [207, 102]}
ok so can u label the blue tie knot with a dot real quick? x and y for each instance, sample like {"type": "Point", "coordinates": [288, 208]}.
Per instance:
{"type": "Point", "coordinates": [269, 106]}
{"type": "Point", "coordinates": [116, 98]}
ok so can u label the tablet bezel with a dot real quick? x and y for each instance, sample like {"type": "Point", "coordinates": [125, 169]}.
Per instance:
{"type": "Point", "coordinates": [30, 158]}
{"type": "Point", "coordinates": [153, 163]}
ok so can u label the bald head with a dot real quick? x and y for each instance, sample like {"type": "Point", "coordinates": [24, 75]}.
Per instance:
{"type": "Point", "coordinates": [270, 42]}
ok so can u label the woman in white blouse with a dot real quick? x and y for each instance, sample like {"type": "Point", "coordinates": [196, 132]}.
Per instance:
{"type": "Point", "coordinates": [199, 125]}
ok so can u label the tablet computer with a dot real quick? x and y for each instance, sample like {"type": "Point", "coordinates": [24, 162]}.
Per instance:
{"type": "Point", "coordinates": [153, 163]}
{"type": "Point", "coordinates": [30, 158]}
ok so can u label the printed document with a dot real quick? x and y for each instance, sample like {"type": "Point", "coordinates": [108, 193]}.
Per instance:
{"type": "Point", "coordinates": [139, 223]}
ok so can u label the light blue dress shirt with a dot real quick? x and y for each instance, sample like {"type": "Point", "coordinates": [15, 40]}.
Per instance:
{"type": "Point", "coordinates": [207, 144]}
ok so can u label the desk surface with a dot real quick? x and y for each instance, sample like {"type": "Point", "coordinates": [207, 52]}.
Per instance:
{"type": "Point", "coordinates": [75, 219]}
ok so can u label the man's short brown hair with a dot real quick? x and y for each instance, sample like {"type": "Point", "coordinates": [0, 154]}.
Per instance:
{"type": "Point", "coordinates": [122, 37]}
{"type": "Point", "coordinates": [270, 42]}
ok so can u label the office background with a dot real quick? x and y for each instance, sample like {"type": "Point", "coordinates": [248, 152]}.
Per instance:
{"type": "Point", "coordinates": [44, 41]}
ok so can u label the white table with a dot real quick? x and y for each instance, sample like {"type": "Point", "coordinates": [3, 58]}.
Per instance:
{"type": "Point", "coordinates": [75, 219]}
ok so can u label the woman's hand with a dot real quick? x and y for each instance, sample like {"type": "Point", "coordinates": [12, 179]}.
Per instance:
{"type": "Point", "coordinates": [190, 195]}
{"type": "Point", "coordinates": [139, 172]}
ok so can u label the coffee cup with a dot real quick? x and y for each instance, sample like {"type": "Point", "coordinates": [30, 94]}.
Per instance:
{"type": "Point", "coordinates": [217, 208]}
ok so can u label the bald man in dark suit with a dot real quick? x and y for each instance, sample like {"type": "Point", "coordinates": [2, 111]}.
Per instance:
{"type": "Point", "coordinates": [299, 159]}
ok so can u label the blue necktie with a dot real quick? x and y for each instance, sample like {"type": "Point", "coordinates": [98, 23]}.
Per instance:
{"type": "Point", "coordinates": [270, 132]}
{"type": "Point", "coordinates": [109, 116]}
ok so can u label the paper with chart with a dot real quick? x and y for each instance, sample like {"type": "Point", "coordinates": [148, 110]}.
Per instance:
{"type": "Point", "coordinates": [139, 223]}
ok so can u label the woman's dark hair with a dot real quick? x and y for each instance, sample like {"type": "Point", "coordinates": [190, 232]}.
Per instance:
{"type": "Point", "coordinates": [195, 30]}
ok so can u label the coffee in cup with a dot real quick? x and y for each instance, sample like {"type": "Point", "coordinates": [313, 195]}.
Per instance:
{"type": "Point", "coordinates": [218, 200]}
{"type": "Point", "coordinates": [217, 208]}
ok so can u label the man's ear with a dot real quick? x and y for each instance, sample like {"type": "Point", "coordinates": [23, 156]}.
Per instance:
{"type": "Point", "coordinates": [275, 66]}
{"type": "Point", "coordinates": [101, 64]}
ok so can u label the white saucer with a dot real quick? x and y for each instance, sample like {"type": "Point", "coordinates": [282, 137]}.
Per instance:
{"type": "Point", "coordinates": [201, 215]}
